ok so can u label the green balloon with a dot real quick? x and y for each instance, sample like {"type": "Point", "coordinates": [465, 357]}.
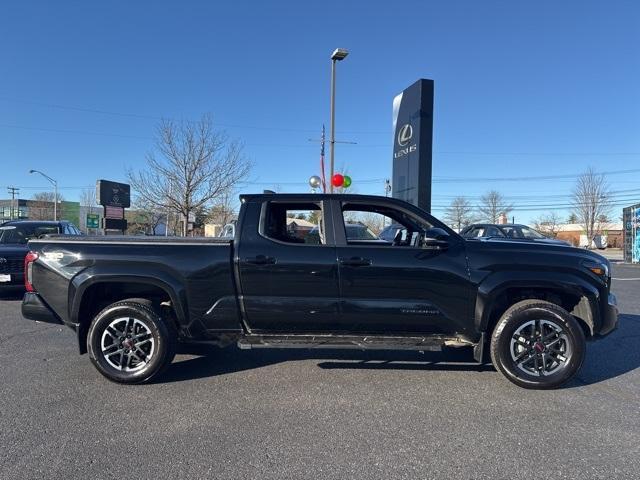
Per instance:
{"type": "Point", "coordinates": [347, 181]}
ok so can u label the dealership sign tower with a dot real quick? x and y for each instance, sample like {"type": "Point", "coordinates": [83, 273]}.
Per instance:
{"type": "Point", "coordinates": [413, 144]}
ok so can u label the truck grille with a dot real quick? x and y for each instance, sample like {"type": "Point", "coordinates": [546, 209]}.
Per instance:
{"type": "Point", "coordinates": [11, 265]}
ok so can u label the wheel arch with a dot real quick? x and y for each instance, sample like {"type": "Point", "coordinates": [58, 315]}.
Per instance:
{"type": "Point", "coordinates": [94, 292]}
{"type": "Point", "coordinates": [570, 292]}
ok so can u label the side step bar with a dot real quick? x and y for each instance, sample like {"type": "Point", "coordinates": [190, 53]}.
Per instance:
{"type": "Point", "coordinates": [368, 342]}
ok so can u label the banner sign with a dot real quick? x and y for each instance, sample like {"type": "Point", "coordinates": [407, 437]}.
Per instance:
{"type": "Point", "coordinates": [114, 224]}
{"type": "Point", "coordinates": [114, 212]}
{"type": "Point", "coordinates": [631, 232]}
{"type": "Point", "coordinates": [413, 144]}
{"type": "Point", "coordinates": [113, 194]}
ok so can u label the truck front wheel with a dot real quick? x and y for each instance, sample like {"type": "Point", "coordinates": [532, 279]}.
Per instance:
{"type": "Point", "coordinates": [129, 342]}
{"type": "Point", "coordinates": [537, 344]}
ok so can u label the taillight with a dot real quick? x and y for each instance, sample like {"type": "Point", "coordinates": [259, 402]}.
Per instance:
{"type": "Point", "coordinates": [28, 270]}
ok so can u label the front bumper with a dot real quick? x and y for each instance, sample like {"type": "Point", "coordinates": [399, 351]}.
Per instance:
{"type": "Point", "coordinates": [609, 316]}
{"type": "Point", "coordinates": [34, 308]}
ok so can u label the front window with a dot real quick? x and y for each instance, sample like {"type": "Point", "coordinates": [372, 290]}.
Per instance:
{"type": "Point", "coordinates": [380, 225]}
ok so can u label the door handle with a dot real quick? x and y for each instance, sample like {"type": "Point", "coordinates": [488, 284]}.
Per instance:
{"type": "Point", "coordinates": [260, 260]}
{"type": "Point", "coordinates": [355, 262]}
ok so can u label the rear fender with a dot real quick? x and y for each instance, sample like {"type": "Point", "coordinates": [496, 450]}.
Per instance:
{"type": "Point", "coordinates": [156, 278]}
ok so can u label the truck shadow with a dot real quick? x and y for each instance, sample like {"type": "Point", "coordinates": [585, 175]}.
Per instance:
{"type": "Point", "coordinates": [210, 361]}
{"type": "Point", "coordinates": [605, 359]}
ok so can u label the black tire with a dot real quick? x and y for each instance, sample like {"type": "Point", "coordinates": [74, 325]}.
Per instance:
{"type": "Point", "coordinates": [157, 347]}
{"type": "Point", "coordinates": [516, 321]}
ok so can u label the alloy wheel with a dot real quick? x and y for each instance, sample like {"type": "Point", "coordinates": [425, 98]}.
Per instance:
{"type": "Point", "coordinates": [540, 347]}
{"type": "Point", "coordinates": [127, 344]}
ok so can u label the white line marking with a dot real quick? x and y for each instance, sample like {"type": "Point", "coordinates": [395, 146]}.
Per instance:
{"type": "Point", "coordinates": [613, 278]}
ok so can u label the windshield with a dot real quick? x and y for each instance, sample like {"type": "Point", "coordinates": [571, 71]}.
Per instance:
{"type": "Point", "coordinates": [21, 234]}
{"type": "Point", "coordinates": [521, 231]}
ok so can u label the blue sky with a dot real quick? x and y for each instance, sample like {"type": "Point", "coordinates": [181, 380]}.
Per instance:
{"type": "Point", "coordinates": [522, 89]}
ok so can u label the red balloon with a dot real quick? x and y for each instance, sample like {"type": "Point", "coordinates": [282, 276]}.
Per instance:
{"type": "Point", "coordinates": [337, 180]}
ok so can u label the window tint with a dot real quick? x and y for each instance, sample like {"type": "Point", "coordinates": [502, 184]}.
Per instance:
{"type": "Point", "coordinates": [493, 232]}
{"type": "Point", "coordinates": [371, 224]}
{"type": "Point", "coordinates": [299, 223]}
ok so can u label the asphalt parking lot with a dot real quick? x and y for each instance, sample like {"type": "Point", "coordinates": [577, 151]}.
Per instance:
{"type": "Point", "coordinates": [319, 414]}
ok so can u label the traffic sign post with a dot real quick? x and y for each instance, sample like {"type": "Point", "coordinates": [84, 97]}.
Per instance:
{"type": "Point", "coordinates": [114, 197]}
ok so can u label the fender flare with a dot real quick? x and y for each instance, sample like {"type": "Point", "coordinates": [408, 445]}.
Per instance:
{"type": "Point", "coordinates": [496, 284]}
{"type": "Point", "coordinates": [148, 276]}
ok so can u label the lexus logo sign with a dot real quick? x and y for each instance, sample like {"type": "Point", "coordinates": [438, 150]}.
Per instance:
{"type": "Point", "coordinates": [405, 134]}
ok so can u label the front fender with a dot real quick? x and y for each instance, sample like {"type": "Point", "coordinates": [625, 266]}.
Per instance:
{"type": "Point", "coordinates": [496, 284]}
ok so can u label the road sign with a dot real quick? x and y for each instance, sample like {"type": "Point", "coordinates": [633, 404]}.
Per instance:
{"type": "Point", "coordinates": [93, 220]}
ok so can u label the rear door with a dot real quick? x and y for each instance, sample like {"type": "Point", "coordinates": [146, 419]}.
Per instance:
{"type": "Point", "coordinates": [288, 271]}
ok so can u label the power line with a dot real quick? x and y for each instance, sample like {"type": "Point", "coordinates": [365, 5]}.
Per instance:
{"type": "Point", "coordinates": [284, 129]}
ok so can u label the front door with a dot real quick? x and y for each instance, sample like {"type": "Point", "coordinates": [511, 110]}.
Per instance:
{"type": "Point", "coordinates": [398, 286]}
{"type": "Point", "coordinates": [288, 268]}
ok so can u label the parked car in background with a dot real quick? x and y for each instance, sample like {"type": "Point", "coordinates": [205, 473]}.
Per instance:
{"type": "Point", "coordinates": [14, 236]}
{"type": "Point", "coordinates": [509, 231]}
{"type": "Point", "coordinates": [228, 231]}
{"type": "Point", "coordinates": [354, 231]}
{"type": "Point", "coordinates": [389, 232]}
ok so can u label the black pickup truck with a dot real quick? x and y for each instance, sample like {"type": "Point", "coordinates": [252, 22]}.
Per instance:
{"type": "Point", "coordinates": [293, 276]}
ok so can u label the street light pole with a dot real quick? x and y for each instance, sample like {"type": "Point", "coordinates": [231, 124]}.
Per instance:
{"type": "Point", "coordinates": [55, 192]}
{"type": "Point", "coordinates": [337, 55]}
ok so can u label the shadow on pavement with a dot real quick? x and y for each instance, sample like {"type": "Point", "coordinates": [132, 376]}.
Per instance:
{"type": "Point", "coordinates": [613, 355]}
{"type": "Point", "coordinates": [606, 358]}
{"type": "Point", "coordinates": [213, 361]}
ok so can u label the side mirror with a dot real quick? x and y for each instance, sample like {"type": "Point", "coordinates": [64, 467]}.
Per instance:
{"type": "Point", "coordinates": [435, 239]}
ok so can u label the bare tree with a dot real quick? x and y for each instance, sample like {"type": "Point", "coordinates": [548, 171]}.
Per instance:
{"type": "Point", "coordinates": [492, 204]}
{"type": "Point", "coordinates": [88, 200]}
{"type": "Point", "coordinates": [145, 217]}
{"type": "Point", "coordinates": [41, 206]}
{"type": "Point", "coordinates": [459, 213]}
{"type": "Point", "coordinates": [591, 201]}
{"type": "Point", "coordinates": [222, 211]}
{"type": "Point", "coordinates": [193, 165]}
{"type": "Point", "coordinates": [548, 224]}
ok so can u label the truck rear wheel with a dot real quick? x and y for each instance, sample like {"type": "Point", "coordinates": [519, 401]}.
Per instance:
{"type": "Point", "coordinates": [537, 344]}
{"type": "Point", "coordinates": [129, 342]}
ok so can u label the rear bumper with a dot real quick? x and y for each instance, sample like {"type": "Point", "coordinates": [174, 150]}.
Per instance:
{"type": "Point", "coordinates": [609, 316]}
{"type": "Point", "coordinates": [33, 308]}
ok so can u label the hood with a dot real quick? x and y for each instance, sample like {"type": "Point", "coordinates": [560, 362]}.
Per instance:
{"type": "Point", "coordinates": [531, 252]}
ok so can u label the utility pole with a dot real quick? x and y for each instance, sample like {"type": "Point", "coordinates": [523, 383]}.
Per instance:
{"type": "Point", "coordinates": [13, 191]}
